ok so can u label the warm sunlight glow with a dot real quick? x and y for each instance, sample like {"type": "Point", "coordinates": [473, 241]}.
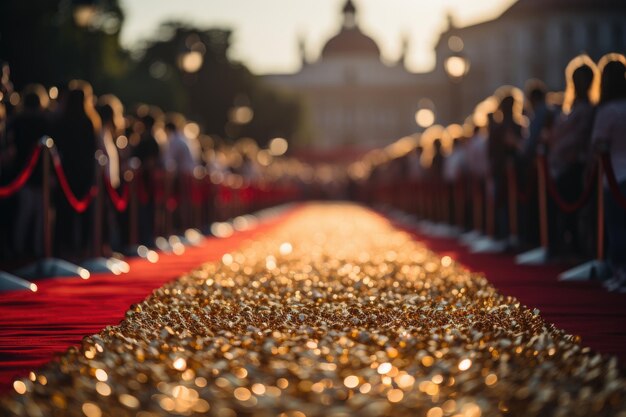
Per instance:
{"type": "Point", "coordinates": [258, 30]}
{"type": "Point", "coordinates": [278, 146]}
{"type": "Point", "coordinates": [191, 61]}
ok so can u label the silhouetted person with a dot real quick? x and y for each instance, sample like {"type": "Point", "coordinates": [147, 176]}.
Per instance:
{"type": "Point", "coordinates": [24, 132]}
{"type": "Point", "coordinates": [569, 149]}
{"type": "Point", "coordinates": [111, 112]}
{"type": "Point", "coordinates": [505, 135]}
{"type": "Point", "coordinates": [435, 172]}
{"type": "Point", "coordinates": [75, 133]}
{"type": "Point", "coordinates": [541, 117]}
{"type": "Point", "coordinates": [609, 132]}
{"type": "Point", "coordinates": [149, 154]}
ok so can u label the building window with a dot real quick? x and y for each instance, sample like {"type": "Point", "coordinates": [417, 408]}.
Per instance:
{"type": "Point", "coordinates": [617, 36]}
{"type": "Point", "coordinates": [567, 36]}
{"type": "Point", "coordinates": [592, 35]}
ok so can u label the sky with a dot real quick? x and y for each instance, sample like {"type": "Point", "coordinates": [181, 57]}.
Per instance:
{"type": "Point", "coordinates": [266, 32]}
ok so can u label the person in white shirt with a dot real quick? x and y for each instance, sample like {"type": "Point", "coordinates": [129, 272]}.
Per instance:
{"type": "Point", "coordinates": [178, 154]}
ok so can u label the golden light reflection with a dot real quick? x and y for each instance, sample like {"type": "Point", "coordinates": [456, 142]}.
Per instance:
{"type": "Point", "coordinates": [19, 387]}
{"type": "Point", "coordinates": [101, 375]}
{"type": "Point", "coordinates": [465, 364]}
{"type": "Point", "coordinates": [91, 410]}
{"type": "Point", "coordinates": [278, 146]}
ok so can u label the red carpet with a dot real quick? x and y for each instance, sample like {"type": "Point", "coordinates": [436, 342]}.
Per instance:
{"type": "Point", "coordinates": [36, 326]}
{"type": "Point", "coordinates": [580, 308]}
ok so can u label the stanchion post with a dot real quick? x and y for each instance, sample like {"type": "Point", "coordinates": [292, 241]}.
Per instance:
{"type": "Point", "coordinates": [133, 232]}
{"type": "Point", "coordinates": [512, 199]}
{"type": "Point", "coordinates": [101, 161]}
{"type": "Point", "coordinates": [459, 205]}
{"type": "Point", "coordinates": [543, 204]}
{"type": "Point", "coordinates": [600, 224]}
{"type": "Point", "coordinates": [47, 215]}
{"type": "Point", "coordinates": [477, 197]}
{"type": "Point", "coordinates": [491, 213]}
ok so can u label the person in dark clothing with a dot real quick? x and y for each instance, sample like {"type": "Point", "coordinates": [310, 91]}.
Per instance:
{"type": "Point", "coordinates": [505, 136]}
{"type": "Point", "coordinates": [24, 132]}
{"type": "Point", "coordinates": [75, 134]}
{"type": "Point", "coordinates": [568, 152]}
{"type": "Point", "coordinates": [148, 152]}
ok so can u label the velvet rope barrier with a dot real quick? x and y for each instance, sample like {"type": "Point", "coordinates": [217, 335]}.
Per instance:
{"type": "Point", "coordinates": [566, 206]}
{"type": "Point", "coordinates": [79, 205]}
{"type": "Point", "coordinates": [10, 189]}
{"type": "Point", "coordinates": [611, 180]}
{"type": "Point", "coordinates": [119, 200]}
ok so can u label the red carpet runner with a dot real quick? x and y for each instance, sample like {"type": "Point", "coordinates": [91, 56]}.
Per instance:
{"type": "Point", "coordinates": [35, 327]}
{"type": "Point", "coordinates": [581, 308]}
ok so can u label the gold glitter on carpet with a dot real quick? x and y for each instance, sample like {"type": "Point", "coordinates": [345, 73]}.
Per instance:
{"type": "Point", "coordinates": [335, 313]}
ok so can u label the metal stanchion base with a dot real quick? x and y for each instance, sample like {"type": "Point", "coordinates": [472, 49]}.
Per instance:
{"type": "Point", "coordinates": [52, 267]}
{"type": "Point", "coordinates": [488, 245]}
{"type": "Point", "coordinates": [163, 244]}
{"type": "Point", "coordinates": [538, 256]}
{"type": "Point", "coordinates": [106, 265]}
{"type": "Point", "coordinates": [177, 245]}
{"type": "Point", "coordinates": [10, 282]}
{"type": "Point", "coordinates": [142, 251]}
{"type": "Point", "coordinates": [470, 237]}
{"type": "Point", "coordinates": [586, 272]}
{"type": "Point", "coordinates": [438, 229]}
{"type": "Point", "coordinates": [193, 237]}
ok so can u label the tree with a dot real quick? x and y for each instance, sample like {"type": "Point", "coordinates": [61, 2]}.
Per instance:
{"type": "Point", "coordinates": [50, 42]}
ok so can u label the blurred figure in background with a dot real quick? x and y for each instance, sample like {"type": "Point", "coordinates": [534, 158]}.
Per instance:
{"type": "Point", "coordinates": [568, 149]}
{"type": "Point", "coordinates": [478, 167]}
{"type": "Point", "coordinates": [435, 172]}
{"type": "Point", "coordinates": [7, 154]}
{"type": "Point", "coordinates": [609, 133]}
{"type": "Point", "coordinates": [24, 132]}
{"type": "Point", "coordinates": [75, 132]}
{"type": "Point", "coordinates": [505, 140]}
{"type": "Point", "coordinates": [455, 165]}
{"type": "Point", "coordinates": [148, 153]}
{"type": "Point", "coordinates": [180, 162]}
{"type": "Point", "coordinates": [111, 112]}
{"type": "Point", "coordinates": [541, 116]}
{"type": "Point", "coordinates": [178, 155]}
{"type": "Point", "coordinates": [415, 167]}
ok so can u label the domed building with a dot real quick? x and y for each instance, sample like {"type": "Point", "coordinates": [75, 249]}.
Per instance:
{"type": "Point", "coordinates": [356, 99]}
{"type": "Point", "coordinates": [353, 97]}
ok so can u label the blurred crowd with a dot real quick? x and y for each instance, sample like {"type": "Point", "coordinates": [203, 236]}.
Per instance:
{"type": "Point", "coordinates": [482, 175]}
{"type": "Point", "coordinates": [489, 165]}
{"type": "Point", "coordinates": [164, 150]}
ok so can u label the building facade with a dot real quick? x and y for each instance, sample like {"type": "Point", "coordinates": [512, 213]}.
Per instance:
{"type": "Point", "coordinates": [356, 99]}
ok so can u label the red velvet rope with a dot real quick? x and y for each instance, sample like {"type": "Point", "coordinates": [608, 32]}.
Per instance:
{"type": "Point", "coordinates": [79, 205]}
{"type": "Point", "coordinates": [566, 206]}
{"type": "Point", "coordinates": [612, 181]}
{"type": "Point", "coordinates": [10, 189]}
{"type": "Point", "coordinates": [119, 200]}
